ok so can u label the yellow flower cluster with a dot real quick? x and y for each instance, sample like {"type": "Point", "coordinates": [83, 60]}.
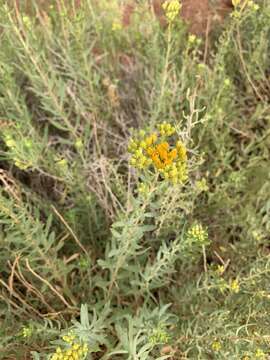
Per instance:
{"type": "Point", "coordinates": [251, 4]}
{"type": "Point", "coordinates": [236, 2]}
{"type": "Point", "coordinates": [216, 346]}
{"type": "Point", "coordinates": [220, 269]}
{"type": "Point", "coordinates": [27, 22]}
{"type": "Point", "coordinates": [154, 151]}
{"type": "Point", "coordinates": [198, 233]}
{"type": "Point", "coordinates": [159, 336]}
{"type": "Point", "coordinates": [69, 338]}
{"type": "Point", "coordinates": [76, 350]}
{"type": "Point", "coordinates": [161, 155]}
{"type": "Point", "coordinates": [10, 142]}
{"type": "Point", "coordinates": [192, 39]}
{"type": "Point", "coordinates": [166, 129]}
{"type": "Point", "coordinates": [171, 8]}
{"type": "Point", "coordinates": [143, 188]}
{"type": "Point", "coordinates": [201, 185]}
{"type": "Point", "coordinates": [234, 286]}
{"type": "Point", "coordinates": [27, 332]}
{"type": "Point", "coordinates": [240, 5]}
{"type": "Point", "coordinates": [260, 354]}
{"type": "Point", "coordinates": [17, 157]}
{"type": "Point", "coordinates": [116, 26]}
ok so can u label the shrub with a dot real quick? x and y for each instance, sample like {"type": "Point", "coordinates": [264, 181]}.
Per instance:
{"type": "Point", "coordinates": [161, 253]}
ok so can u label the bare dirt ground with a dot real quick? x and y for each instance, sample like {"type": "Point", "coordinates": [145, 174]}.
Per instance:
{"type": "Point", "coordinates": [200, 15]}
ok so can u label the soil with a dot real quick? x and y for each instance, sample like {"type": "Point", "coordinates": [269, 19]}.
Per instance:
{"type": "Point", "coordinates": [200, 15]}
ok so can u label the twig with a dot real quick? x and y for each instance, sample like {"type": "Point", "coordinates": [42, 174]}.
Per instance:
{"type": "Point", "coordinates": [48, 284]}
{"type": "Point", "coordinates": [204, 259]}
{"type": "Point", "coordinates": [238, 40]}
{"type": "Point", "coordinates": [70, 230]}
{"type": "Point", "coordinates": [206, 40]}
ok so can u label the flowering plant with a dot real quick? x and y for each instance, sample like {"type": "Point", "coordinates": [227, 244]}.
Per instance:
{"type": "Point", "coordinates": [156, 153]}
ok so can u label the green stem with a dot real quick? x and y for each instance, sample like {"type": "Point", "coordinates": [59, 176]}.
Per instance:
{"type": "Point", "coordinates": [165, 70]}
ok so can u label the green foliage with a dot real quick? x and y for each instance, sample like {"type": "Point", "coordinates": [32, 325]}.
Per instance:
{"type": "Point", "coordinates": [124, 264]}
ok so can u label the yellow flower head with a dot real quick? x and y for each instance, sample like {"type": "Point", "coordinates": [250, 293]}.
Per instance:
{"type": "Point", "coordinates": [172, 9]}
{"type": "Point", "coordinates": [27, 332]}
{"type": "Point", "coordinates": [75, 351]}
{"type": "Point", "coordinates": [234, 286]}
{"type": "Point", "coordinates": [220, 269]}
{"type": "Point", "coordinates": [197, 233]}
{"type": "Point", "coordinates": [27, 21]}
{"type": "Point", "coordinates": [192, 39]}
{"type": "Point", "coordinates": [155, 152]}
{"type": "Point", "coordinates": [201, 185]}
{"type": "Point", "coordinates": [216, 346]}
{"type": "Point", "coordinates": [69, 338]}
{"type": "Point", "coordinates": [20, 151]}
{"type": "Point", "coordinates": [253, 6]}
{"type": "Point", "coordinates": [143, 188]}
{"type": "Point", "coordinates": [116, 26]}
{"type": "Point", "coordinates": [166, 129]}
{"type": "Point", "coordinates": [159, 336]}
{"type": "Point", "coordinates": [10, 142]}
{"type": "Point", "coordinates": [260, 354]}
{"type": "Point", "coordinates": [236, 3]}
{"type": "Point", "coordinates": [78, 144]}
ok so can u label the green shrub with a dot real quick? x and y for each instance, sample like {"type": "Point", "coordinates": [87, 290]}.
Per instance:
{"type": "Point", "coordinates": [101, 260]}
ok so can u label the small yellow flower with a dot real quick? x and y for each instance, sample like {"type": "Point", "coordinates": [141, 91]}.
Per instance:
{"type": "Point", "coordinates": [234, 286]}
{"type": "Point", "coordinates": [172, 9]}
{"type": "Point", "coordinates": [166, 129]}
{"type": "Point", "coordinates": [201, 185]}
{"type": "Point", "coordinates": [257, 235]}
{"type": "Point", "coordinates": [116, 26]}
{"type": "Point", "coordinates": [142, 133]}
{"type": "Point", "coordinates": [253, 6]}
{"type": "Point", "coordinates": [62, 164]}
{"type": "Point", "coordinates": [27, 332]}
{"type": "Point", "coordinates": [220, 269]}
{"type": "Point", "coordinates": [201, 66]}
{"type": "Point", "coordinates": [159, 336]}
{"type": "Point", "coordinates": [216, 346]}
{"type": "Point", "coordinates": [75, 347]}
{"type": "Point", "coordinates": [27, 22]}
{"type": "Point", "coordinates": [227, 82]}
{"type": "Point", "coordinates": [143, 188]}
{"type": "Point", "coordinates": [78, 144]}
{"type": "Point", "coordinates": [198, 233]}
{"type": "Point", "coordinates": [69, 338]}
{"type": "Point", "coordinates": [11, 143]}
{"type": "Point", "coordinates": [192, 38]}
{"type": "Point", "coordinates": [260, 354]}
{"type": "Point", "coordinates": [23, 165]}
{"type": "Point", "coordinates": [236, 3]}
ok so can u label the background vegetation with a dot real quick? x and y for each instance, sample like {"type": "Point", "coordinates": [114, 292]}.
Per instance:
{"type": "Point", "coordinates": [84, 247]}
